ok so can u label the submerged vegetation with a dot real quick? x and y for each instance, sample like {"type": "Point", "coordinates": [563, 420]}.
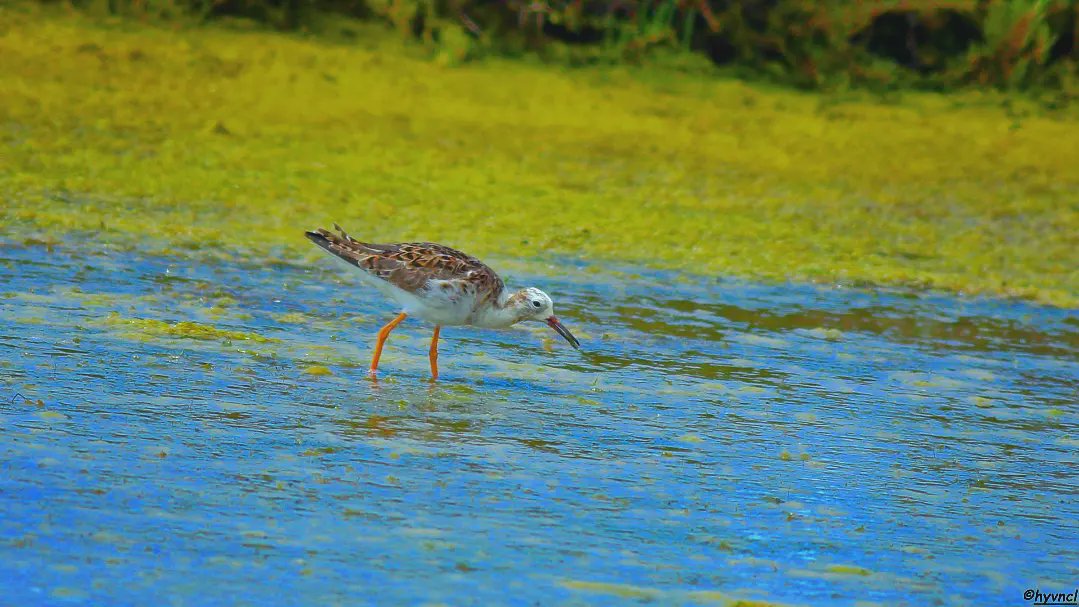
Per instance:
{"type": "Point", "coordinates": [153, 328]}
{"type": "Point", "coordinates": [222, 139]}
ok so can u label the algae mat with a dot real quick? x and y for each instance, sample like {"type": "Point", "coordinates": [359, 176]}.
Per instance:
{"type": "Point", "coordinates": [229, 141]}
{"type": "Point", "coordinates": [205, 434]}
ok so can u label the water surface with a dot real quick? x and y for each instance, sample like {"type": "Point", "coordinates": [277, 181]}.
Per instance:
{"type": "Point", "coordinates": [204, 433]}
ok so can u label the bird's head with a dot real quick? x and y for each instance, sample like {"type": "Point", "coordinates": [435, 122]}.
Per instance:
{"type": "Point", "coordinates": [532, 304]}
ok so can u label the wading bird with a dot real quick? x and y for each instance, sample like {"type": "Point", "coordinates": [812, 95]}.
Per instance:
{"type": "Point", "coordinates": [440, 285]}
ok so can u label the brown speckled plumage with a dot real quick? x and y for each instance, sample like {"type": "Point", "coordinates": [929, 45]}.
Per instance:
{"type": "Point", "coordinates": [440, 285]}
{"type": "Point", "coordinates": [410, 265]}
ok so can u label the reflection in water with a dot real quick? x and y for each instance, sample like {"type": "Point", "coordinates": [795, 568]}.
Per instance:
{"type": "Point", "coordinates": [711, 440]}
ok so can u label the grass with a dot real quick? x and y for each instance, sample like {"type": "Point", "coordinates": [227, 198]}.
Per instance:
{"type": "Point", "coordinates": [233, 142]}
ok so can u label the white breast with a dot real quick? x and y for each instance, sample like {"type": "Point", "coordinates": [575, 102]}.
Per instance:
{"type": "Point", "coordinates": [442, 302]}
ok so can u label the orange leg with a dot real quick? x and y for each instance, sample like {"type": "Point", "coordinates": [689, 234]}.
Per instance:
{"type": "Point", "coordinates": [434, 354]}
{"type": "Point", "coordinates": [382, 335]}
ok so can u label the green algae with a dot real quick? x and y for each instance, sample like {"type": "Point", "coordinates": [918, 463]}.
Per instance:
{"type": "Point", "coordinates": [316, 452]}
{"type": "Point", "coordinates": [626, 591]}
{"type": "Point", "coordinates": [644, 593]}
{"type": "Point", "coordinates": [848, 570]}
{"type": "Point", "coordinates": [211, 141]}
{"type": "Point", "coordinates": [292, 318]}
{"type": "Point", "coordinates": [154, 328]}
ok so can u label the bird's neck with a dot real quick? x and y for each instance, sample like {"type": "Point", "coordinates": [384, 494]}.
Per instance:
{"type": "Point", "coordinates": [502, 312]}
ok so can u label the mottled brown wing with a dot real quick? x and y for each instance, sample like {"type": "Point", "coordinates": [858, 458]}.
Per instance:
{"type": "Point", "coordinates": [409, 265]}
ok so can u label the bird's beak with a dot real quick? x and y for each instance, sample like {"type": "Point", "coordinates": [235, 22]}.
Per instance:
{"type": "Point", "coordinates": [564, 332]}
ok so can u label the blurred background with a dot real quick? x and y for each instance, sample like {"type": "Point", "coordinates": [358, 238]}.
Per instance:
{"type": "Point", "coordinates": [924, 43]}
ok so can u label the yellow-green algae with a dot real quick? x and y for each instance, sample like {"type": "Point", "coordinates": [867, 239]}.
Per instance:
{"type": "Point", "coordinates": [630, 591]}
{"type": "Point", "coordinates": [232, 141]}
{"type": "Point", "coordinates": [152, 327]}
{"type": "Point", "coordinates": [849, 569]}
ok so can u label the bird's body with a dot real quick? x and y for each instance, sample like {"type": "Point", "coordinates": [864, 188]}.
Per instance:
{"type": "Point", "coordinates": [440, 285]}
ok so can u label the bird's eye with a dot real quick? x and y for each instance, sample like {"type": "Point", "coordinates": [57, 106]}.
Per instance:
{"type": "Point", "coordinates": [536, 303]}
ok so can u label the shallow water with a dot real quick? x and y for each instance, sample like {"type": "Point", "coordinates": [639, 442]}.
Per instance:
{"type": "Point", "coordinates": [713, 440]}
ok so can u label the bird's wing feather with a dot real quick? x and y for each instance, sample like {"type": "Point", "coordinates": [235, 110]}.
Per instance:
{"type": "Point", "coordinates": [410, 265]}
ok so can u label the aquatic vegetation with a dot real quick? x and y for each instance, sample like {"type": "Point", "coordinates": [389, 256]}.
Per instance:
{"type": "Point", "coordinates": [848, 569]}
{"type": "Point", "coordinates": [646, 594]}
{"type": "Point", "coordinates": [625, 591]}
{"type": "Point", "coordinates": [214, 142]}
{"type": "Point", "coordinates": [152, 327]}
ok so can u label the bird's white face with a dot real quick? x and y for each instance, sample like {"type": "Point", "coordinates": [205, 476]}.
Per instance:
{"type": "Point", "coordinates": [537, 305]}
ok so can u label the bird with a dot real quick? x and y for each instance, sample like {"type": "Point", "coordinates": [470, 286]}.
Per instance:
{"type": "Point", "coordinates": [440, 285]}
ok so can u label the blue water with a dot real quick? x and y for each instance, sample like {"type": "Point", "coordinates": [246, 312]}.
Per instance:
{"type": "Point", "coordinates": [714, 440]}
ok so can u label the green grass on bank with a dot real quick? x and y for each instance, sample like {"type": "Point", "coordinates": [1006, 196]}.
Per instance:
{"type": "Point", "coordinates": [236, 141]}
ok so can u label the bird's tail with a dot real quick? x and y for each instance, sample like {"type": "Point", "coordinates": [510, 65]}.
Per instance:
{"type": "Point", "coordinates": [340, 244]}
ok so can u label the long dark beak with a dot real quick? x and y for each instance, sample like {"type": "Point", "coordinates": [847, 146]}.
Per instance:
{"type": "Point", "coordinates": [564, 332]}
